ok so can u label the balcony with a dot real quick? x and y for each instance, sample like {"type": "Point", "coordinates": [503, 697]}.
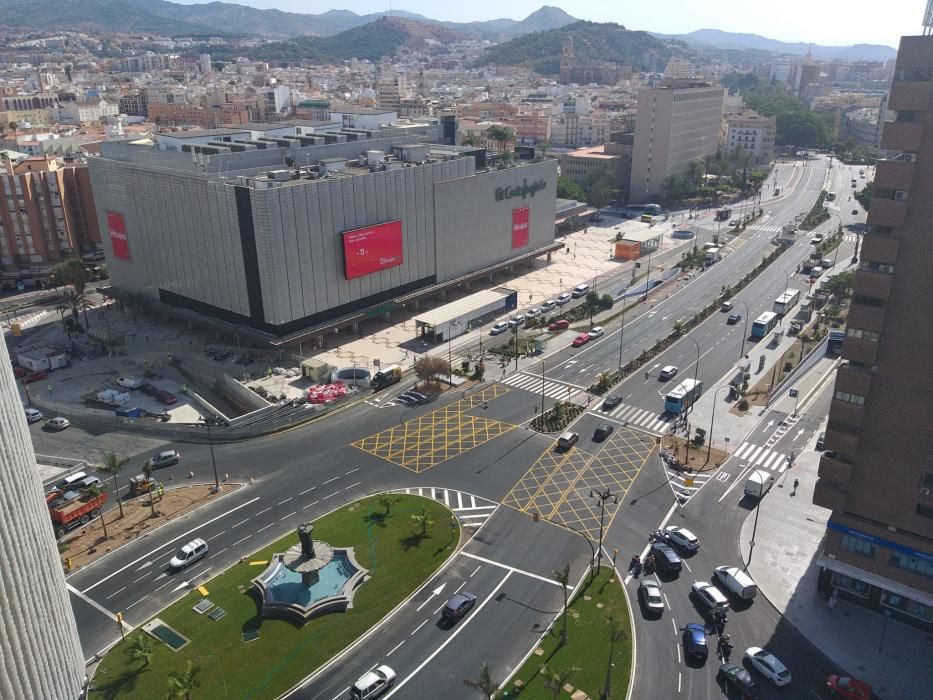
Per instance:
{"type": "Point", "coordinates": [902, 136]}
{"type": "Point", "coordinates": [894, 174]}
{"type": "Point", "coordinates": [911, 96]}
{"type": "Point", "coordinates": [829, 495]}
{"type": "Point", "coordinates": [862, 352]}
{"type": "Point", "coordinates": [865, 317]}
{"type": "Point", "coordinates": [887, 212]}
{"type": "Point", "coordinates": [871, 283]}
{"type": "Point", "coordinates": [834, 469]}
{"type": "Point", "coordinates": [880, 249]}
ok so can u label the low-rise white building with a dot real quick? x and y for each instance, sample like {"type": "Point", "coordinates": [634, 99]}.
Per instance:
{"type": "Point", "coordinates": [85, 112]}
{"type": "Point", "coordinates": [750, 132]}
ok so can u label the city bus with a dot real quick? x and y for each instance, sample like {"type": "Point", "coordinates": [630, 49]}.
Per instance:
{"type": "Point", "coordinates": [723, 214]}
{"type": "Point", "coordinates": [764, 324]}
{"type": "Point", "coordinates": [786, 301]}
{"type": "Point", "coordinates": [637, 210]}
{"type": "Point", "coordinates": [683, 396]}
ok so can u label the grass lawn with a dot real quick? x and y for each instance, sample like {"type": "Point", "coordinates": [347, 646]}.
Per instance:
{"type": "Point", "coordinates": [587, 646]}
{"type": "Point", "coordinates": [392, 547]}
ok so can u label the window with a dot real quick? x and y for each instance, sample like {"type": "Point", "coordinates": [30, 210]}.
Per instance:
{"type": "Point", "coordinates": [913, 74]}
{"type": "Point", "coordinates": [863, 335]}
{"type": "Point", "coordinates": [886, 269]}
{"type": "Point", "coordinates": [859, 546]}
{"type": "Point", "coordinates": [851, 585]}
{"type": "Point", "coordinates": [850, 398]}
{"type": "Point", "coordinates": [914, 564]}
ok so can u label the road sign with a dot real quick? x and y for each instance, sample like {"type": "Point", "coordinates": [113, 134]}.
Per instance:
{"type": "Point", "coordinates": [793, 393]}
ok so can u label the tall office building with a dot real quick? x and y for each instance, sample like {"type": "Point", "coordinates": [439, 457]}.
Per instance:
{"type": "Point", "coordinates": [40, 653]}
{"type": "Point", "coordinates": [877, 475]}
{"type": "Point", "coordinates": [675, 124]}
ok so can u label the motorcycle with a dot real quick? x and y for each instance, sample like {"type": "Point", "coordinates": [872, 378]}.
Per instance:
{"type": "Point", "coordinates": [657, 536]}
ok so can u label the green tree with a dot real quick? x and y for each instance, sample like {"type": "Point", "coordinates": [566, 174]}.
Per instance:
{"type": "Point", "coordinates": [429, 368]}
{"type": "Point", "coordinates": [568, 189]}
{"type": "Point", "coordinates": [840, 285]}
{"type": "Point", "coordinates": [93, 491]}
{"type": "Point", "coordinates": [469, 140]}
{"type": "Point", "coordinates": [562, 576]}
{"type": "Point", "coordinates": [423, 520]}
{"type": "Point", "coordinates": [387, 500]}
{"type": "Point", "coordinates": [148, 468]}
{"type": "Point", "coordinates": [801, 129]}
{"type": "Point", "coordinates": [14, 126]}
{"type": "Point", "coordinates": [113, 465]}
{"type": "Point", "coordinates": [616, 635]}
{"type": "Point", "coordinates": [863, 196]}
{"type": "Point", "coordinates": [556, 679]}
{"type": "Point", "coordinates": [140, 647]}
{"type": "Point", "coordinates": [695, 170]}
{"type": "Point", "coordinates": [181, 684]}
{"type": "Point", "coordinates": [484, 684]}
{"type": "Point", "coordinates": [501, 135]}
{"type": "Point", "coordinates": [601, 186]}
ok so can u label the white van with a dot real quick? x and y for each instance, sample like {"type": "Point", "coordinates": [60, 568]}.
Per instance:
{"type": "Point", "coordinates": [580, 291]}
{"type": "Point", "coordinates": [737, 581]}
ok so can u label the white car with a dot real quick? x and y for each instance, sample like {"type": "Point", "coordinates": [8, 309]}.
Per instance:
{"type": "Point", "coordinates": [596, 331]}
{"type": "Point", "coordinates": [58, 423]}
{"type": "Point", "coordinates": [500, 327]}
{"type": "Point", "coordinates": [710, 596]}
{"type": "Point", "coordinates": [373, 683]}
{"type": "Point", "coordinates": [517, 320]}
{"type": "Point", "coordinates": [130, 382]}
{"type": "Point", "coordinates": [768, 665]}
{"type": "Point", "coordinates": [817, 238]}
{"type": "Point", "coordinates": [563, 298]}
{"type": "Point", "coordinates": [189, 554]}
{"type": "Point", "coordinates": [33, 416]}
{"type": "Point", "coordinates": [668, 372]}
{"type": "Point", "coordinates": [548, 305]}
{"type": "Point", "coordinates": [682, 537]}
{"type": "Point", "coordinates": [533, 312]}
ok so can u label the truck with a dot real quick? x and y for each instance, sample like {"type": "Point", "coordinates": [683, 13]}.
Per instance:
{"type": "Point", "coordinates": [69, 514]}
{"type": "Point", "coordinates": [712, 255]}
{"type": "Point", "coordinates": [758, 483]}
{"type": "Point", "coordinates": [386, 376]}
{"type": "Point", "coordinates": [723, 214]}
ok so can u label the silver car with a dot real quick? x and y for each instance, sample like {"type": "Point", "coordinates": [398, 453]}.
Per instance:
{"type": "Point", "coordinates": [649, 594]}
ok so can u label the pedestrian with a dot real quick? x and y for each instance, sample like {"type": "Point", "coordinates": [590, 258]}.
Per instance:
{"type": "Point", "coordinates": [796, 484]}
{"type": "Point", "coordinates": [833, 599]}
{"type": "Point", "coordinates": [50, 388]}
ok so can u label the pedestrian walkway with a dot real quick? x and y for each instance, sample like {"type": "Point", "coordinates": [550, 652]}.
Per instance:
{"type": "Point", "coordinates": [470, 510]}
{"type": "Point", "coordinates": [553, 389]}
{"type": "Point", "coordinates": [649, 421]}
{"type": "Point", "coordinates": [760, 457]}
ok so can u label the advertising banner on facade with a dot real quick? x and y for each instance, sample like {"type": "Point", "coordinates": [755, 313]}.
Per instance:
{"type": "Point", "coordinates": [117, 226]}
{"type": "Point", "coordinates": [519, 227]}
{"type": "Point", "coordinates": [371, 249]}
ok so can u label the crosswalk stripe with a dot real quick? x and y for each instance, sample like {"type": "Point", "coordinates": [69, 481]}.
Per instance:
{"type": "Point", "coordinates": [740, 453]}
{"type": "Point", "coordinates": [762, 457]}
{"type": "Point", "coordinates": [754, 454]}
{"type": "Point", "coordinates": [767, 464]}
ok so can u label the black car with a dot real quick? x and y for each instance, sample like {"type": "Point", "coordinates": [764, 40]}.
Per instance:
{"type": "Point", "coordinates": [666, 559]}
{"type": "Point", "coordinates": [149, 389]}
{"type": "Point", "coordinates": [602, 432]}
{"type": "Point", "coordinates": [732, 677]}
{"type": "Point", "coordinates": [733, 319]}
{"type": "Point", "coordinates": [821, 442]}
{"type": "Point", "coordinates": [611, 402]}
{"type": "Point", "coordinates": [694, 639]}
{"type": "Point", "coordinates": [458, 606]}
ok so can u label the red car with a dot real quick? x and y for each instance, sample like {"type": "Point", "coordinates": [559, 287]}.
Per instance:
{"type": "Point", "coordinates": [36, 376]}
{"type": "Point", "coordinates": [581, 339]}
{"type": "Point", "coordinates": [20, 371]}
{"type": "Point", "coordinates": [560, 325]}
{"type": "Point", "coordinates": [848, 687]}
{"type": "Point", "coordinates": [165, 397]}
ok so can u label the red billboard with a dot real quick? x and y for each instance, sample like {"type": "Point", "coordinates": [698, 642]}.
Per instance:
{"type": "Point", "coordinates": [371, 249]}
{"type": "Point", "coordinates": [118, 242]}
{"type": "Point", "coordinates": [519, 227]}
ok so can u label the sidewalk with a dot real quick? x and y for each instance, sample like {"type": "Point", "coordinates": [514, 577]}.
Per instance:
{"type": "Point", "coordinates": [788, 542]}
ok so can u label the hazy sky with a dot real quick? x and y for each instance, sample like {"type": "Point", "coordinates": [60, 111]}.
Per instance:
{"type": "Point", "coordinates": [828, 22]}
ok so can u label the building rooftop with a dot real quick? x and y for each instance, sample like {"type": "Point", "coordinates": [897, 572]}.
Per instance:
{"type": "Point", "coordinates": [201, 133]}
{"type": "Point", "coordinates": [591, 152]}
{"type": "Point", "coordinates": [361, 110]}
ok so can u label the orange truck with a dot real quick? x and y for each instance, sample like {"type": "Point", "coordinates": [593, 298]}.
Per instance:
{"type": "Point", "coordinates": [79, 511]}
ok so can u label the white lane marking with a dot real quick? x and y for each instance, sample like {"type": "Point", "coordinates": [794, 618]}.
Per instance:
{"type": "Point", "coordinates": [392, 651]}
{"type": "Point", "coordinates": [119, 590]}
{"type": "Point", "coordinates": [162, 586]}
{"type": "Point", "coordinates": [168, 544]}
{"type": "Point", "coordinates": [352, 486]}
{"type": "Point", "coordinates": [264, 528]}
{"type": "Point", "coordinates": [265, 510]}
{"type": "Point", "coordinates": [330, 480]}
{"type": "Point", "coordinates": [240, 541]}
{"type": "Point", "coordinates": [314, 503]}
{"type": "Point", "coordinates": [217, 554]}
{"type": "Point", "coordinates": [351, 471]}
{"type": "Point", "coordinates": [240, 523]}
{"type": "Point", "coordinates": [475, 570]}
{"type": "Point", "coordinates": [418, 628]}
{"type": "Point", "coordinates": [282, 503]}
{"type": "Point", "coordinates": [307, 491]}
{"type": "Point", "coordinates": [142, 577]}
{"type": "Point", "coordinates": [137, 602]}
{"type": "Point", "coordinates": [333, 494]}
{"type": "Point", "coordinates": [459, 588]}
{"type": "Point", "coordinates": [294, 512]}
{"type": "Point", "coordinates": [513, 569]}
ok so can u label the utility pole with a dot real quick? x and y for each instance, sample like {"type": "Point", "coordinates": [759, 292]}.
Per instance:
{"type": "Point", "coordinates": [602, 497]}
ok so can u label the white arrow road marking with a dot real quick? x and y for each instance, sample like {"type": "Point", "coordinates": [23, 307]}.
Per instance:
{"type": "Point", "coordinates": [436, 591]}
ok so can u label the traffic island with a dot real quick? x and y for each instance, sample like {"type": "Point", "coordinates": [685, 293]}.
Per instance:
{"type": "Point", "coordinates": [557, 417]}
{"type": "Point", "coordinates": [596, 660]}
{"type": "Point", "coordinates": [237, 651]}
{"type": "Point", "coordinates": [140, 516]}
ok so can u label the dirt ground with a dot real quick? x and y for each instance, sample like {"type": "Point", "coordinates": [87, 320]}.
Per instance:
{"type": "Point", "coordinates": [86, 544]}
{"type": "Point", "coordinates": [698, 461]}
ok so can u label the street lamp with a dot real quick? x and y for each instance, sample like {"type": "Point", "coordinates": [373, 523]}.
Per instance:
{"type": "Point", "coordinates": [709, 446]}
{"type": "Point", "coordinates": [450, 337]}
{"type": "Point", "coordinates": [210, 441]}
{"type": "Point", "coordinates": [745, 336]}
{"type": "Point", "coordinates": [602, 496]}
{"type": "Point", "coordinates": [622, 331]}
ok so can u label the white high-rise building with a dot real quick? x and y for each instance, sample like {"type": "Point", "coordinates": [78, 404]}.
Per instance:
{"type": "Point", "coordinates": [40, 653]}
{"type": "Point", "coordinates": [204, 62]}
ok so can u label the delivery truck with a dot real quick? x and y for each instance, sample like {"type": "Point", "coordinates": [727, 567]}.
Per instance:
{"type": "Point", "coordinates": [758, 483]}
{"type": "Point", "coordinates": [386, 376]}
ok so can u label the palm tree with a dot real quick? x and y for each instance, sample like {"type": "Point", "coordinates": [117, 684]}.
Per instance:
{"type": "Point", "coordinates": [616, 634]}
{"type": "Point", "coordinates": [13, 127]}
{"type": "Point", "coordinates": [500, 134]}
{"type": "Point", "coordinates": [140, 647]}
{"type": "Point", "coordinates": [562, 576]}
{"type": "Point", "coordinates": [423, 520]}
{"type": "Point", "coordinates": [113, 465]}
{"type": "Point", "coordinates": [93, 491]}
{"type": "Point", "coordinates": [147, 472]}
{"type": "Point", "coordinates": [556, 679]}
{"type": "Point", "coordinates": [387, 500]}
{"type": "Point", "coordinates": [180, 684]}
{"type": "Point", "coordinates": [484, 684]}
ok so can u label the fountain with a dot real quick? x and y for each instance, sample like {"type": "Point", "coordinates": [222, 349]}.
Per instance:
{"type": "Point", "coordinates": [310, 578]}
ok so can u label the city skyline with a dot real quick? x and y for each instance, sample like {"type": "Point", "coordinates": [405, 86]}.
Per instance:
{"type": "Point", "coordinates": [829, 22]}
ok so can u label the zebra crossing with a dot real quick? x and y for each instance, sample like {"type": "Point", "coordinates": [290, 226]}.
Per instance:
{"type": "Point", "coordinates": [762, 457]}
{"type": "Point", "coordinates": [685, 486]}
{"type": "Point", "coordinates": [470, 510]}
{"type": "Point", "coordinates": [30, 320]}
{"type": "Point", "coordinates": [649, 421]}
{"type": "Point", "coordinates": [762, 227]}
{"type": "Point", "coordinates": [552, 388]}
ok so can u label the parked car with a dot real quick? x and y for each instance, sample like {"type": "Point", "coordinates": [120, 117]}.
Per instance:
{"type": "Point", "coordinates": [166, 397]}
{"type": "Point", "coordinates": [36, 376]}
{"type": "Point", "coordinates": [768, 665]}
{"type": "Point", "coordinates": [733, 319]}
{"type": "Point", "coordinates": [57, 424]}
{"type": "Point", "coordinates": [33, 416]}
{"type": "Point", "coordinates": [710, 596]}
{"type": "Point", "coordinates": [149, 389]}
{"type": "Point", "coordinates": [563, 298]}
{"type": "Point", "coordinates": [681, 537]}
{"type": "Point", "coordinates": [20, 372]}
{"type": "Point", "coordinates": [500, 327]}
{"type": "Point", "coordinates": [736, 581]}
{"type": "Point", "coordinates": [406, 400]}
{"type": "Point", "coordinates": [602, 432]}
{"type": "Point", "coordinates": [821, 442]}
{"type": "Point", "coordinates": [596, 332]}
{"type": "Point", "coordinates": [130, 382]}
{"type": "Point", "coordinates": [735, 678]}
{"type": "Point", "coordinates": [667, 373]}
{"type": "Point", "coordinates": [581, 290]}
{"type": "Point", "coordinates": [373, 683]}
{"type": "Point", "coordinates": [517, 320]}
{"type": "Point", "coordinates": [667, 559]}
{"type": "Point", "coordinates": [649, 595]}
{"type": "Point", "coordinates": [726, 306]}
{"type": "Point", "coordinates": [559, 325]}
{"type": "Point", "coordinates": [458, 606]}
{"type": "Point", "coordinates": [610, 402]}
{"type": "Point", "coordinates": [548, 305]}
{"type": "Point", "coordinates": [848, 687]}
{"type": "Point", "coordinates": [694, 639]}
{"type": "Point", "coordinates": [187, 555]}
{"type": "Point", "coordinates": [581, 339]}
{"type": "Point", "coordinates": [567, 440]}
{"type": "Point", "coordinates": [165, 458]}
{"type": "Point", "coordinates": [533, 312]}
{"type": "Point", "coordinates": [817, 238]}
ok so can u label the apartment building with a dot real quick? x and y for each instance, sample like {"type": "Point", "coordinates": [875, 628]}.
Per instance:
{"type": "Point", "coordinates": [749, 133]}
{"type": "Point", "coordinates": [877, 473]}
{"type": "Point", "coordinates": [86, 112]}
{"type": "Point", "coordinates": [580, 165]}
{"type": "Point", "coordinates": [676, 123]}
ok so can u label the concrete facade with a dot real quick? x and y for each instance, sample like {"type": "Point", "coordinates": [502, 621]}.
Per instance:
{"type": "Point", "coordinates": [40, 653]}
{"type": "Point", "coordinates": [675, 125]}
{"type": "Point", "coordinates": [751, 133]}
{"type": "Point", "coordinates": [877, 475]}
